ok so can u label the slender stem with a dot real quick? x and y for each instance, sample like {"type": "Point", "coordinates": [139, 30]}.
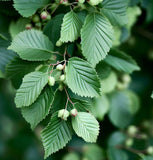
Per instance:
{"type": "Point", "coordinates": [131, 149]}
{"type": "Point", "coordinates": [55, 9]}
{"type": "Point", "coordinates": [68, 96]}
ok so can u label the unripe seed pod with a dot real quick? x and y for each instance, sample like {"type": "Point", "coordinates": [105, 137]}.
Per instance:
{"type": "Point", "coordinates": [35, 18]}
{"type": "Point", "coordinates": [132, 130]}
{"type": "Point", "coordinates": [63, 114]}
{"type": "Point", "coordinates": [150, 150]}
{"type": "Point", "coordinates": [51, 81]}
{"type": "Point", "coordinates": [62, 78]}
{"type": "Point", "coordinates": [44, 15]}
{"type": "Point", "coordinates": [28, 26]}
{"type": "Point", "coordinates": [60, 67]}
{"type": "Point", "coordinates": [59, 43]}
{"type": "Point", "coordinates": [129, 142]}
{"type": "Point", "coordinates": [74, 112]}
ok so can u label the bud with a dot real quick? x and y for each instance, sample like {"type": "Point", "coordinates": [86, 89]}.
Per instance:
{"type": "Point", "coordinates": [62, 78]}
{"type": "Point", "coordinates": [28, 26]}
{"type": "Point", "coordinates": [132, 130]}
{"type": "Point", "coordinates": [44, 15]}
{"type": "Point", "coordinates": [35, 18]}
{"type": "Point", "coordinates": [63, 114]}
{"type": "Point", "coordinates": [129, 142]}
{"type": "Point", "coordinates": [60, 67]}
{"type": "Point", "coordinates": [74, 112]}
{"type": "Point", "coordinates": [150, 150]}
{"type": "Point", "coordinates": [59, 43]}
{"type": "Point", "coordinates": [51, 81]}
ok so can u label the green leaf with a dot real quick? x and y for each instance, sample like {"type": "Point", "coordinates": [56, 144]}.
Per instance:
{"type": "Point", "coordinates": [40, 109]}
{"type": "Point", "coordinates": [115, 10]}
{"type": "Point", "coordinates": [96, 36]}
{"type": "Point", "coordinates": [18, 26]}
{"type": "Point", "coordinates": [5, 57]}
{"type": "Point", "coordinates": [53, 28]}
{"type": "Point", "coordinates": [116, 154]}
{"type": "Point", "coordinates": [101, 107]}
{"type": "Point", "coordinates": [121, 62]}
{"type": "Point", "coordinates": [103, 70]}
{"type": "Point", "coordinates": [28, 7]}
{"type": "Point", "coordinates": [32, 45]}
{"type": "Point", "coordinates": [148, 158]}
{"type": "Point", "coordinates": [86, 126]}
{"type": "Point", "coordinates": [82, 78]}
{"type": "Point", "coordinates": [30, 89]}
{"type": "Point", "coordinates": [116, 138]}
{"type": "Point", "coordinates": [108, 84]}
{"type": "Point", "coordinates": [17, 68]}
{"type": "Point", "coordinates": [93, 152]}
{"type": "Point", "coordinates": [71, 156]}
{"type": "Point", "coordinates": [56, 135]}
{"type": "Point", "coordinates": [71, 27]}
{"type": "Point", "coordinates": [123, 104]}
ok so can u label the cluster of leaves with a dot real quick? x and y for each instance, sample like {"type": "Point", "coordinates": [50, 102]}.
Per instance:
{"type": "Point", "coordinates": [94, 77]}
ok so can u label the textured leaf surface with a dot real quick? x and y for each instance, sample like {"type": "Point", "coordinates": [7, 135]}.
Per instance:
{"type": "Point", "coordinates": [86, 126]}
{"type": "Point", "coordinates": [115, 10]}
{"type": "Point", "coordinates": [40, 109]}
{"type": "Point", "coordinates": [122, 62]}
{"type": "Point", "coordinates": [32, 45]}
{"type": "Point", "coordinates": [56, 135]}
{"type": "Point", "coordinates": [71, 27]}
{"type": "Point", "coordinates": [53, 28]}
{"type": "Point", "coordinates": [17, 69]}
{"type": "Point", "coordinates": [82, 78]}
{"type": "Point", "coordinates": [5, 57]}
{"type": "Point", "coordinates": [28, 7]}
{"type": "Point", "coordinates": [30, 89]}
{"type": "Point", "coordinates": [96, 36]}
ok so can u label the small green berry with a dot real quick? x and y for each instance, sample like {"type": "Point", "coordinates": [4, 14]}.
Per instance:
{"type": "Point", "coordinates": [81, 1]}
{"type": "Point", "coordinates": [62, 78]}
{"type": "Point", "coordinates": [60, 67]}
{"type": "Point", "coordinates": [44, 15]}
{"type": "Point", "coordinates": [35, 18]}
{"type": "Point", "coordinates": [48, 17]}
{"type": "Point", "coordinates": [51, 81]}
{"type": "Point", "coordinates": [150, 150]}
{"type": "Point", "coordinates": [129, 142]}
{"type": "Point", "coordinates": [126, 78]}
{"type": "Point", "coordinates": [74, 112]}
{"type": "Point", "coordinates": [132, 130]}
{"type": "Point", "coordinates": [38, 25]}
{"type": "Point", "coordinates": [28, 26]}
{"type": "Point", "coordinates": [63, 114]}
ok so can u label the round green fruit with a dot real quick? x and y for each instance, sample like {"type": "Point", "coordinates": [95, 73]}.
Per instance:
{"type": "Point", "coordinates": [51, 81]}
{"type": "Point", "coordinates": [63, 114]}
